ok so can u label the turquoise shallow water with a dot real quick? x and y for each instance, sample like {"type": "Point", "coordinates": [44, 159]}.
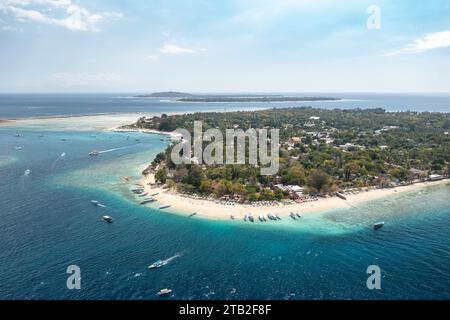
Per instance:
{"type": "Point", "coordinates": [48, 223]}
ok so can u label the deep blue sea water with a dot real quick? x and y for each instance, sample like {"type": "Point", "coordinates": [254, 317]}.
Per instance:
{"type": "Point", "coordinates": [48, 223]}
{"type": "Point", "coordinates": [41, 105]}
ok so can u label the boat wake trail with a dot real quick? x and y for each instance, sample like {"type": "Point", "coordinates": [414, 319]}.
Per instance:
{"type": "Point", "coordinates": [112, 150]}
{"type": "Point", "coordinates": [57, 159]}
{"type": "Point", "coordinates": [161, 263]}
{"type": "Point", "coordinates": [178, 255]}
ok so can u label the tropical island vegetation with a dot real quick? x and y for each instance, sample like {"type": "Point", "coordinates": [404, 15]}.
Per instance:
{"type": "Point", "coordinates": [322, 152]}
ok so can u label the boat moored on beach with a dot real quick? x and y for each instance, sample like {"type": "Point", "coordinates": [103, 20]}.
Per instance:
{"type": "Point", "coordinates": [340, 195]}
{"type": "Point", "coordinates": [165, 206]}
{"type": "Point", "coordinates": [146, 201]}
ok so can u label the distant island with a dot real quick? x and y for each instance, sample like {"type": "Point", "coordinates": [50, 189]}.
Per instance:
{"type": "Point", "coordinates": [167, 94]}
{"type": "Point", "coordinates": [187, 97]}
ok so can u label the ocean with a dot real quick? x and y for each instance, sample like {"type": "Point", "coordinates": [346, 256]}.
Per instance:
{"type": "Point", "coordinates": [47, 223]}
{"type": "Point", "coordinates": [13, 106]}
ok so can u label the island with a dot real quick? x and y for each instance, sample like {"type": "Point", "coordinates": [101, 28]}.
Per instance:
{"type": "Point", "coordinates": [187, 97]}
{"type": "Point", "coordinates": [324, 154]}
{"type": "Point", "coordinates": [167, 94]}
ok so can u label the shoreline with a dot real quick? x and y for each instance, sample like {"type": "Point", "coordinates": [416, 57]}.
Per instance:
{"type": "Point", "coordinates": [172, 134]}
{"type": "Point", "coordinates": [215, 210]}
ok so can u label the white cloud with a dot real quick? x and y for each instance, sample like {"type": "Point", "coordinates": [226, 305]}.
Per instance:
{"type": "Point", "coordinates": [86, 79]}
{"type": "Point", "coordinates": [429, 42]}
{"type": "Point", "coordinates": [71, 16]}
{"type": "Point", "coordinates": [174, 49]}
{"type": "Point", "coordinates": [169, 48]}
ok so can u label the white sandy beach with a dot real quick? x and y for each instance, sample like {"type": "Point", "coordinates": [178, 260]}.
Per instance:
{"type": "Point", "coordinates": [215, 210]}
{"type": "Point", "coordinates": [77, 123]}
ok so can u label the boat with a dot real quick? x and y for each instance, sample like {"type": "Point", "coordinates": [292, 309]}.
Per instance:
{"type": "Point", "coordinates": [164, 292]}
{"type": "Point", "coordinates": [94, 153]}
{"type": "Point", "coordinates": [154, 194]}
{"type": "Point", "coordinates": [143, 195]}
{"type": "Point", "coordinates": [97, 203]}
{"type": "Point", "coordinates": [165, 206]}
{"type": "Point", "coordinates": [277, 217]}
{"type": "Point", "coordinates": [298, 215]}
{"type": "Point", "coordinates": [18, 148]}
{"type": "Point", "coordinates": [193, 214]}
{"type": "Point", "coordinates": [261, 218]}
{"type": "Point", "coordinates": [157, 264]}
{"type": "Point", "coordinates": [232, 217]}
{"type": "Point", "coordinates": [63, 139]}
{"type": "Point", "coordinates": [293, 216]}
{"type": "Point", "coordinates": [246, 217]}
{"type": "Point", "coordinates": [340, 195]}
{"type": "Point", "coordinates": [149, 200]}
{"type": "Point", "coordinates": [108, 219]}
{"type": "Point", "coordinates": [378, 225]}
{"type": "Point", "coordinates": [271, 216]}
{"type": "Point", "coordinates": [264, 217]}
{"type": "Point", "coordinates": [250, 217]}
{"type": "Point", "coordinates": [27, 172]}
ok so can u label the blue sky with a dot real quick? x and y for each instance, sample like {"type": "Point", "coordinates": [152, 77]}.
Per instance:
{"type": "Point", "coordinates": [223, 46]}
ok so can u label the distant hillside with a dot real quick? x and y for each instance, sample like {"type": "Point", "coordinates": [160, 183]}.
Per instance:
{"type": "Point", "coordinates": [167, 94]}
